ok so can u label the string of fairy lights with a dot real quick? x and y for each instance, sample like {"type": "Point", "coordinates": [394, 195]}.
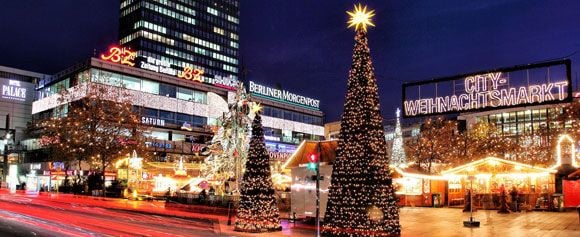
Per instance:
{"type": "Point", "coordinates": [258, 210]}
{"type": "Point", "coordinates": [361, 199]}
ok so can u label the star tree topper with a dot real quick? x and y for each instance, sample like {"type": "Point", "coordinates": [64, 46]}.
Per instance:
{"type": "Point", "coordinates": [360, 18]}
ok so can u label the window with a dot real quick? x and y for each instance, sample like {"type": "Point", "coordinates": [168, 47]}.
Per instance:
{"type": "Point", "coordinates": [184, 94]}
{"type": "Point", "coordinates": [167, 90]}
{"type": "Point", "coordinates": [199, 121]}
{"type": "Point", "coordinates": [287, 115]}
{"type": "Point", "coordinates": [150, 87]}
{"type": "Point", "coordinates": [276, 113]}
{"type": "Point", "coordinates": [182, 118]}
{"type": "Point", "coordinates": [167, 115]}
{"type": "Point", "coordinates": [200, 97]}
{"type": "Point", "coordinates": [104, 77]}
{"type": "Point", "coordinates": [131, 83]}
{"type": "Point", "coordinates": [178, 137]}
{"type": "Point", "coordinates": [159, 135]}
{"type": "Point", "coordinates": [149, 112]}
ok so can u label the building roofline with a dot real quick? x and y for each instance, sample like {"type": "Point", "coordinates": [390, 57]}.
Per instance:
{"type": "Point", "coordinates": [23, 72]}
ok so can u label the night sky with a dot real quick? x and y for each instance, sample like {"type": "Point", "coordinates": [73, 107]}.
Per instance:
{"type": "Point", "coordinates": [305, 45]}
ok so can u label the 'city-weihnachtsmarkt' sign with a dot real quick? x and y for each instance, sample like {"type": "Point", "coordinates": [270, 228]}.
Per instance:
{"type": "Point", "coordinates": [503, 88]}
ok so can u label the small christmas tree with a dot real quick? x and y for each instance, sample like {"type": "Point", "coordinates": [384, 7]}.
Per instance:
{"type": "Point", "coordinates": [257, 211]}
{"type": "Point", "coordinates": [361, 199]}
{"type": "Point", "coordinates": [398, 156]}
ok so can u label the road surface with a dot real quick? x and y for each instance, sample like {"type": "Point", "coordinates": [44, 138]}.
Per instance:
{"type": "Point", "coordinates": [28, 216]}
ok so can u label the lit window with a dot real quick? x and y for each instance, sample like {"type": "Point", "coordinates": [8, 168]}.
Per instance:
{"type": "Point", "coordinates": [218, 30]}
{"type": "Point", "coordinates": [212, 11]}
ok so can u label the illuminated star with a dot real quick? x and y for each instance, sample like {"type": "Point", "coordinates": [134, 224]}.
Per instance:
{"type": "Point", "coordinates": [360, 18]}
{"type": "Point", "coordinates": [256, 108]}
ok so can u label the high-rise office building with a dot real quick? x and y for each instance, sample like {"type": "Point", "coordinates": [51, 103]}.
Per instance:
{"type": "Point", "coordinates": [177, 34]}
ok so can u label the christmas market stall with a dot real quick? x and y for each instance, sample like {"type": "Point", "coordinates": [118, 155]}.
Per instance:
{"type": "Point", "coordinates": [571, 189]}
{"type": "Point", "coordinates": [417, 189]}
{"type": "Point", "coordinates": [303, 189]}
{"type": "Point", "coordinates": [491, 176]}
{"type": "Point", "coordinates": [155, 178]}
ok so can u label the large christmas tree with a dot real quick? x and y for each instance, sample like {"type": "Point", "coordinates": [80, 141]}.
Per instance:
{"type": "Point", "coordinates": [361, 199]}
{"type": "Point", "coordinates": [257, 211]}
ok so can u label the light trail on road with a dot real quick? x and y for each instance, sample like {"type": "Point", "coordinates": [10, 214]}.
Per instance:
{"type": "Point", "coordinates": [69, 219]}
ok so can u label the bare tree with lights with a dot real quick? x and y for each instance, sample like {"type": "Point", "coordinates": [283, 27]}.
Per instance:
{"type": "Point", "coordinates": [361, 200]}
{"type": "Point", "coordinates": [96, 123]}
{"type": "Point", "coordinates": [569, 119]}
{"type": "Point", "coordinates": [257, 211]}
{"type": "Point", "coordinates": [434, 145]}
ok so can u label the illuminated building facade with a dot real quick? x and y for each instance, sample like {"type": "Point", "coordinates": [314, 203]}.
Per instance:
{"type": "Point", "coordinates": [16, 96]}
{"type": "Point", "coordinates": [518, 100]}
{"type": "Point", "coordinates": [185, 33]}
{"type": "Point", "coordinates": [288, 119]}
{"type": "Point", "coordinates": [518, 121]}
{"type": "Point", "coordinates": [177, 112]}
{"type": "Point", "coordinates": [181, 113]}
{"type": "Point", "coordinates": [179, 60]}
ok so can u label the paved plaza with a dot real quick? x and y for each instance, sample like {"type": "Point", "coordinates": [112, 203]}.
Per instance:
{"type": "Point", "coordinates": [449, 222]}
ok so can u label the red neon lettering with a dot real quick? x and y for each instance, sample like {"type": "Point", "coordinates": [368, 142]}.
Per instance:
{"type": "Point", "coordinates": [120, 55]}
{"type": "Point", "coordinates": [191, 74]}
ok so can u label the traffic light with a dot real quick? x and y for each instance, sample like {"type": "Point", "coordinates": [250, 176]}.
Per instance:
{"type": "Point", "coordinates": [312, 161]}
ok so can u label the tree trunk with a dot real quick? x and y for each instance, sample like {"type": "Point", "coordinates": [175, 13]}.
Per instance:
{"type": "Point", "coordinates": [104, 168]}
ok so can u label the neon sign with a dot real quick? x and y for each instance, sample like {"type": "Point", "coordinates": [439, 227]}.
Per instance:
{"type": "Point", "coordinates": [491, 90]}
{"type": "Point", "coordinates": [283, 95]}
{"type": "Point", "coordinates": [120, 55]}
{"type": "Point", "coordinates": [189, 73]}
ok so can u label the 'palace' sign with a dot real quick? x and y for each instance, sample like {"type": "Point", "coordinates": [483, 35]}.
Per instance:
{"type": "Point", "coordinates": [504, 88]}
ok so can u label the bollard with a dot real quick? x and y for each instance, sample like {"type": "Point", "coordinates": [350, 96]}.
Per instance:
{"type": "Point", "coordinates": [229, 213]}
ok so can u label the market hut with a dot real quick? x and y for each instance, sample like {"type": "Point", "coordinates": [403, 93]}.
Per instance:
{"type": "Point", "coordinates": [489, 176]}
{"type": "Point", "coordinates": [303, 188]}
{"type": "Point", "coordinates": [415, 188]}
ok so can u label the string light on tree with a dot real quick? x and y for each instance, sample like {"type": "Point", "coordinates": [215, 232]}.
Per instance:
{"type": "Point", "coordinates": [361, 200]}
{"type": "Point", "coordinates": [398, 156]}
{"type": "Point", "coordinates": [257, 211]}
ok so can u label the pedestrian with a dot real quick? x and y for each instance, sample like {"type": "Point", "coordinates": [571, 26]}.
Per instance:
{"type": "Point", "coordinates": [467, 207]}
{"type": "Point", "coordinates": [514, 196]}
{"type": "Point", "coordinates": [202, 195]}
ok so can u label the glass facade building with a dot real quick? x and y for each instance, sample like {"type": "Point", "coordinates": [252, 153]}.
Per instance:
{"type": "Point", "coordinates": [185, 33]}
{"type": "Point", "coordinates": [513, 123]}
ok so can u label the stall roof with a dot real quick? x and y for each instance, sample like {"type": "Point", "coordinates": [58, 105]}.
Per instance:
{"type": "Point", "coordinates": [300, 156]}
{"type": "Point", "coordinates": [574, 174]}
{"type": "Point", "coordinates": [415, 173]}
{"type": "Point", "coordinates": [495, 165]}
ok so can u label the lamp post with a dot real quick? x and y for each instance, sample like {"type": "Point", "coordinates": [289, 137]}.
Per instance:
{"type": "Point", "coordinates": [5, 152]}
{"type": "Point", "coordinates": [471, 223]}
{"type": "Point", "coordinates": [127, 170]}
{"type": "Point", "coordinates": [318, 190]}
